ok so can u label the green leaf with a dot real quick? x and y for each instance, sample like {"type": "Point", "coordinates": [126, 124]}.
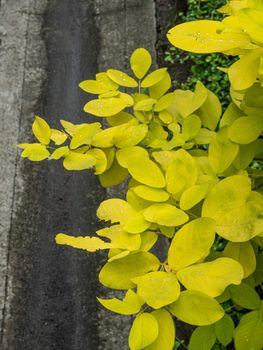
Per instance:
{"type": "Point", "coordinates": [191, 243]}
{"type": "Point", "coordinates": [211, 277]}
{"type": "Point", "coordinates": [166, 334]}
{"type": "Point", "coordinates": [245, 296]}
{"type": "Point", "coordinates": [246, 129]}
{"type": "Point", "coordinates": [121, 78]}
{"type": "Point", "coordinates": [242, 252]}
{"type": "Point", "coordinates": [131, 304]}
{"type": "Point", "coordinates": [249, 332]}
{"type": "Point", "coordinates": [144, 331]}
{"type": "Point", "coordinates": [196, 308]}
{"type": "Point", "coordinates": [105, 107]}
{"type": "Point", "coordinates": [153, 78]}
{"type": "Point", "coordinates": [119, 273]}
{"type": "Point", "coordinates": [205, 36]}
{"type": "Point", "coordinates": [158, 288]}
{"type": "Point", "coordinates": [41, 130]}
{"type": "Point", "coordinates": [84, 135]}
{"type": "Point", "coordinates": [165, 214]}
{"type": "Point", "coordinates": [202, 338]}
{"type": "Point", "coordinates": [224, 330]}
{"type": "Point", "coordinates": [78, 161]}
{"type": "Point", "coordinates": [141, 61]}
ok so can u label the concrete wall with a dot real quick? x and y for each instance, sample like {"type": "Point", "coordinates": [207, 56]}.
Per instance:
{"type": "Point", "coordinates": [47, 292]}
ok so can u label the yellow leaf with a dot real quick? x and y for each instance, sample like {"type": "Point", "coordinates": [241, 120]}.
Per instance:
{"type": "Point", "coordinates": [121, 239]}
{"type": "Point", "coordinates": [127, 153]}
{"type": "Point", "coordinates": [101, 160]}
{"type": "Point", "coordinates": [84, 135]}
{"type": "Point", "coordinates": [151, 194]}
{"type": "Point", "coordinates": [192, 196]}
{"type": "Point", "coordinates": [244, 254]}
{"type": "Point", "coordinates": [120, 118]}
{"type": "Point", "coordinates": [166, 334]}
{"type": "Point", "coordinates": [141, 61]}
{"type": "Point", "coordinates": [78, 161]}
{"type": "Point", "coordinates": [115, 210]}
{"type": "Point", "coordinates": [221, 151]}
{"type": "Point", "coordinates": [226, 195]}
{"type": "Point", "coordinates": [158, 90]}
{"type": "Point", "coordinates": [60, 152]}
{"type": "Point", "coordinates": [246, 129]}
{"type": "Point", "coordinates": [105, 107]}
{"type": "Point", "coordinates": [93, 87]}
{"type": "Point", "coordinates": [181, 173]}
{"type": "Point", "coordinates": [145, 105]}
{"type": "Point", "coordinates": [70, 128]}
{"type": "Point", "coordinates": [144, 331]}
{"type": "Point", "coordinates": [210, 111]}
{"type": "Point", "coordinates": [90, 244]}
{"type": "Point", "coordinates": [243, 73]}
{"type": "Point", "coordinates": [105, 80]}
{"type": "Point", "coordinates": [41, 130]}
{"type": "Point", "coordinates": [148, 239]}
{"type": "Point", "coordinates": [191, 243]}
{"type": "Point", "coordinates": [153, 78]}
{"type": "Point", "coordinates": [164, 102]}
{"type": "Point", "coordinates": [158, 288]}
{"type": "Point", "coordinates": [114, 175]}
{"type": "Point", "coordinates": [35, 152]}
{"type": "Point", "coordinates": [130, 135]}
{"type": "Point", "coordinates": [251, 20]}
{"type": "Point", "coordinates": [191, 126]}
{"type": "Point", "coordinates": [131, 304]}
{"type": "Point", "coordinates": [205, 36]}
{"type": "Point", "coordinates": [166, 117]}
{"type": "Point", "coordinates": [110, 94]}
{"type": "Point", "coordinates": [145, 171]}
{"type": "Point", "coordinates": [119, 273]}
{"type": "Point", "coordinates": [128, 99]}
{"type": "Point", "coordinates": [59, 137]}
{"type": "Point", "coordinates": [121, 78]}
{"type": "Point", "coordinates": [212, 277]}
{"type": "Point", "coordinates": [165, 214]}
{"type": "Point", "coordinates": [196, 308]}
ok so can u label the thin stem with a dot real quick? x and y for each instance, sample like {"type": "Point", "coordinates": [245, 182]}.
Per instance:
{"type": "Point", "coordinates": [181, 343]}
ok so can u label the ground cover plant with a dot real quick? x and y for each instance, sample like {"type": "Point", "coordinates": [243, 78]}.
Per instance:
{"type": "Point", "coordinates": [194, 177]}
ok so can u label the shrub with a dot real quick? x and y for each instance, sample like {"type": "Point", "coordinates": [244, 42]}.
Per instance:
{"type": "Point", "coordinates": [194, 178]}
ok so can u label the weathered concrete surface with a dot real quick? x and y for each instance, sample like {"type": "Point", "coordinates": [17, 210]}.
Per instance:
{"type": "Point", "coordinates": [48, 292]}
